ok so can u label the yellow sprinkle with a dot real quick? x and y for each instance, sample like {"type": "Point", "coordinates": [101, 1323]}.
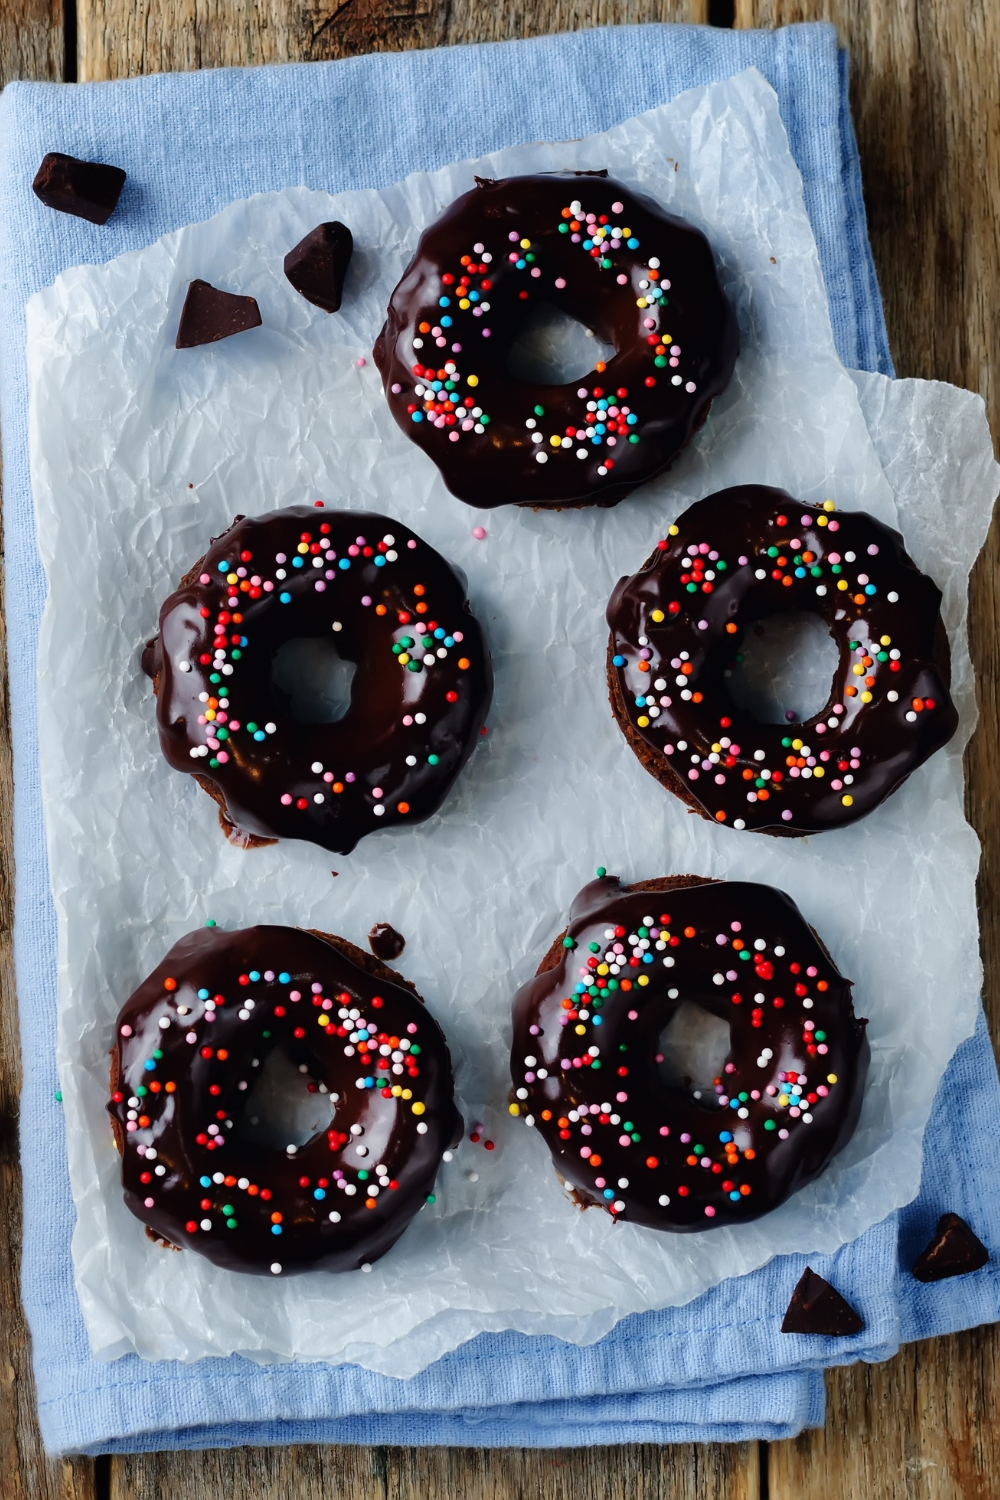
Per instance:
{"type": "Point", "coordinates": [666, 339]}
{"type": "Point", "coordinates": [716, 749]}
{"type": "Point", "coordinates": [847, 801]}
{"type": "Point", "coordinates": [885, 640]}
{"type": "Point", "coordinates": [640, 302]}
{"type": "Point", "coordinates": [513, 1109]}
{"type": "Point", "coordinates": [210, 715]}
{"type": "Point", "coordinates": [396, 1090]}
{"type": "Point", "coordinates": [626, 234]}
{"type": "Point", "coordinates": [841, 583]}
{"type": "Point", "coordinates": [858, 670]}
{"type": "Point", "coordinates": [657, 616]}
{"type": "Point", "coordinates": [821, 520]}
{"type": "Point", "coordinates": [642, 721]}
{"type": "Point", "coordinates": [602, 969]}
{"type": "Point", "coordinates": [555, 441]}
{"type": "Point", "coordinates": [782, 1100]}
{"type": "Point", "coordinates": [472, 379]}
{"type": "Point", "coordinates": [866, 697]}
{"type": "Point", "coordinates": [232, 578]}
{"type": "Point", "coordinates": [829, 505]}
{"type": "Point", "coordinates": [796, 744]}
{"type": "Point", "coordinates": [579, 1030]}
{"type": "Point", "coordinates": [525, 244]}
{"type": "Point", "coordinates": [818, 771]}
{"type": "Point", "coordinates": [419, 1108]}
{"type": "Point", "coordinates": [643, 979]}
{"type": "Point", "coordinates": [407, 1093]}
{"type": "Point", "coordinates": [831, 1078]}
{"type": "Point", "coordinates": [324, 1020]}
{"type": "Point", "coordinates": [303, 547]}
{"type": "Point", "coordinates": [404, 657]}
{"type": "Point", "coordinates": [673, 530]}
{"type": "Point", "coordinates": [464, 303]}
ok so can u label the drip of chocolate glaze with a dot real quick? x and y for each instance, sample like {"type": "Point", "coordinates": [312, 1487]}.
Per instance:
{"type": "Point", "coordinates": [385, 942]}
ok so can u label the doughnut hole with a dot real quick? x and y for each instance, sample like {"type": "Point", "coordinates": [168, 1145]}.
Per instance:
{"type": "Point", "coordinates": [551, 348]}
{"type": "Point", "coordinates": [784, 668]}
{"type": "Point", "coordinates": [692, 1050]}
{"type": "Point", "coordinates": [279, 1111]}
{"type": "Point", "coordinates": [315, 679]}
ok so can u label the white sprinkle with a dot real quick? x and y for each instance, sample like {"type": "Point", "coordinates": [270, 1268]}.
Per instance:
{"type": "Point", "coordinates": [276, 1269]}
{"type": "Point", "coordinates": [184, 666]}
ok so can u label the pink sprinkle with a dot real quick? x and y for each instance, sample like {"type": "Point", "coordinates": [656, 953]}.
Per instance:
{"type": "Point", "coordinates": [622, 280]}
{"type": "Point", "coordinates": [513, 235]}
{"type": "Point", "coordinates": [621, 1098]}
{"type": "Point", "coordinates": [664, 1129]}
{"type": "Point", "coordinates": [376, 791]}
{"type": "Point", "coordinates": [832, 526]}
{"type": "Point", "coordinates": [286, 800]}
{"type": "Point", "coordinates": [395, 388]}
{"type": "Point", "coordinates": [205, 578]}
{"type": "Point", "coordinates": [709, 1211]}
{"type": "Point", "coordinates": [787, 814]}
{"type": "Point", "coordinates": [268, 587]}
{"type": "Point", "coordinates": [873, 550]}
{"type": "Point", "coordinates": [582, 392]}
{"type": "Point", "coordinates": [479, 532]}
{"type": "Point", "coordinates": [633, 1015]}
{"type": "Point", "coordinates": [453, 437]}
{"type": "Point", "coordinates": [560, 282]}
{"type": "Point", "coordinates": [361, 362]}
{"type": "Point", "coordinates": [295, 994]}
{"type": "Point", "coordinates": [624, 1140]}
{"type": "Point", "coordinates": [366, 599]}
{"type": "Point", "coordinates": [649, 322]}
{"type": "Point", "coordinates": [585, 1151]}
{"type": "Point", "coordinates": [320, 585]}
{"type": "Point", "coordinates": [616, 208]}
{"type": "Point", "coordinates": [412, 1027]}
{"type": "Point", "coordinates": [456, 635]}
{"type": "Point", "coordinates": [690, 388]}
{"type": "Point", "coordinates": [328, 776]}
{"type": "Point", "coordinates": [126, 1031]}
{"type": "Point", "coordinates": [148, 1202]}
{"type": "Point", "coordinates": [222, 757]}
{"type": "Point", "coordinates": [411, 543]}
{"type": "Point", "coordinates": [407, 719]}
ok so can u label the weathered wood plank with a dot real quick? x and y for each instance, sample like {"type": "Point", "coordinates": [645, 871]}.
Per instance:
{"type": "Point", "coordinates": [685, 1472]}
{"type": "Point", "coordinates": [124, 38]}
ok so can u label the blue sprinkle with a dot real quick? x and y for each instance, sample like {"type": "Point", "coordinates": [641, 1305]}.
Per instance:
{"type": "Point", "coordinates": [319, 1193]}
{"type": "Point", "coordinates": [631, 419]}
{"type": "Point", "coordinates": [633, 243]}
{"type": "Point", "coordinates": [444, 302]}
{"type": "Point", "coordinates": [284, 978]}
{"type": "Point", "coordinates": [640, 703]}
{"type": "Point", "coordinates": [647, 958]}
{"type": "Point", "coordinates": [600, 428]}
{"type": "Point", "coordinates": [596, 442]}
{"type": "Point", "coordinates": [380, 562]}
{"type": "Point", "coordinates": [473, 296]}
{"type": "Point", "coordinates": [416, 416]}
{"type": "Point", "coordinates": [439, 634]}
{"type": "Point", "coordinates": [618, 661]}
{"type": "Point", "coordinates": [597, 1020]}
{"type": "Point", "coordinates": [589, 245]}
{"type": "Point", "coordinates": [275, 1228]}
{"type": "Point", "coordinates": [285, 598]}
{"type": "Point", "coordinates": [449, 640]}
{"type": "Point", "coordinates": [602, 405]}
{"type": "Point", "coordinates": [243, 640]}
{"type": "Point", "coordinates": [445, 322]}
{"type": "Point", "coordinates": [254, 975]}
{"type": "Point", "coordinates": [224, 567]}
{"type": "Point", "coordinates": [724, 1135]}
{"type": "Point", "coordinates": [345, 563]}
{"type": "Point", "coordinates": [203, 994]}
{"type": "Point", "coordinates": [259, 734]}
{"type": "Point", "coordinates": [205, 1181]}
{"type": "Point", "coordinates": [609, 1192]}
{"type": "Point", "coordinates": [800, 572]}
{"type": "Point", "coordinates": [581, 989]}
{"type": "Point", "coordinates": [437, 385]}
{"type": "Point", "coordinates": [735, 1197]}
{"type": "Point", "coordinates": [149, 1065]}
{"type": "Point", "coordinates": [298, 562]}
{"type": "Point", "coordinates": [369, 1083]}
{"type": "Point", "coordinates": [520, 264]}
{"type": "Point", "coordinates": [869, 588]}
{"type": "Point", "coordinates": [734, 1104]}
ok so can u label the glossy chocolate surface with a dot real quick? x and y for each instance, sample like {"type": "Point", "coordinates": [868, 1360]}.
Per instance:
{"type": "Point", "coordinates": [498, 255]}
{"type": "Point", "coordinates": [189, 1046]}
{"type": "Point", "coordinates": [743, 555]}
{"type": "Point", "coordinates": [390, 604]}
{"type": "Point", "coordinates": [584, 1053]}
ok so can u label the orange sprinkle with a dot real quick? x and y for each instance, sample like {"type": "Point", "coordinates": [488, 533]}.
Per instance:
{"type": "Point", "coordinates": [689, 932]}
{"type": "Point", "coordinates": [338, 786]}
{"type": "Point", "coordinates": [275, 1218]}
{"type": "Point", "coordinates": [720, 817]}
{"type": "Point", "coordinates": [373, 1202]}
{"type": "Point", "coordinates": [419, 590]}
{"type": "Point", "coordinates": [463, 661]}
{"type": "Point", "coordinates": [600, 367]}
{"type": "Point", "coordinates": [380, 609]}
{"type": "Point", "coordinates": [222, 1054]}
{"type": "Point", "coordinates": [403, 807]}
{"type": "Point", "coordinates": [731, 628]}
{"type": "Point", "coordinates": [421, 609]}
{"type": "Point", "coordinates": [170, 1087]}
{"type": "Point", "coordinates": [170, 984]}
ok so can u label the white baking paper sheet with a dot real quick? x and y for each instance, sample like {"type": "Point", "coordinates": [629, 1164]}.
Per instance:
{"type": "Point", "coordinates": [141, 452]}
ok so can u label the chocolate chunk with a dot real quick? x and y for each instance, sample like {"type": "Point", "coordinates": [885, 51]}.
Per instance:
{"type": "Point", "coordinates": [318, 264]}
{"type": "Point", "coordinates": [385, 942]}
{"type": "Point", "coordinates": [953, 1251]}
{"type": "Point", "coordinates": [817, 1307]}
{"type": "Point", "coordinates": [86, 189]}
{"type": "Point", "coordinates": [209, 315]}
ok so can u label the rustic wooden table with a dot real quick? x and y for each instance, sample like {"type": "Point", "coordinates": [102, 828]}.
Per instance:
{"type": "Point", "coordinates": [926, 96]}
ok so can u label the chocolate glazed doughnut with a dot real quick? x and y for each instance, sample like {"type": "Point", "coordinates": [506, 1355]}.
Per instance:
{"type": "Point", "coordinates": [419, 698]}
{"type": "Point", "coordinates": [676, 626]}
{"type": "Point", "coordinates": [190, 1044]}
{"type": "Point", "coordinates": [585, 1054]}
{"type": "Point", "coordinates": [641, 279]}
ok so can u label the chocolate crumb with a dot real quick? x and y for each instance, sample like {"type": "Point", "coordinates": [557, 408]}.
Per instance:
{"type": "Point", "coordinates": [817, 1307]}
{"type": "Point", "coordinates": [318, 264]}
{"type": "Point", "coordinates": [954, 1250]}
{"type": "Point", "coordinates": [385, 942]}
{"type": "Point", "coordinates": [209, 314]}
{"type": "Point", "coordinates": [86, 189]}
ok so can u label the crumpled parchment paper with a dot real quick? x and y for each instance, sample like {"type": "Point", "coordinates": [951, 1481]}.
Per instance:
{"type": "Point", "coordinates": [141, 452]}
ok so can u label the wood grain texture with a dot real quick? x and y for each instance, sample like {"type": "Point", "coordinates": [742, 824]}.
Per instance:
{"type": "Point", "coordinates": [925, 87]}
{"type": "Point", "coordinates": [684, 1472]}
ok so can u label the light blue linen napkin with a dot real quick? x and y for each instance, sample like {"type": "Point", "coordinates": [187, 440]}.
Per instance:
{"type": "Point", "coordinates": [719, 1368]}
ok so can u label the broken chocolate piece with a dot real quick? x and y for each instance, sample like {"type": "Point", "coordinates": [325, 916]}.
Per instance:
{"type": "Point", "coordinates": [385, 942]}
{"type": "Point", "coordinates": [318, 264]}
{"type": "Point", "coordinates": [817, 1307]}
{"type": "Point", "coordinates": [953, 1251]}
{"type": "Point", "coordinates": [86, 189]}
{"type": "Point", "coordinates": [209, 315]}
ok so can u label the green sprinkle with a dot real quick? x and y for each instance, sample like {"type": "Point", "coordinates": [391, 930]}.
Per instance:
{"type": "Point", "coordinates": [569, 942]}
{"type": "Point", "coordinates": [215, 677]}
{"type": "Point", "coordinates": [413, 666]}
{"type": "Point", "coordinates": [660, 361]}
{"type": "Point", "coordinates": [636, 1137]}
{"type": "Point", "coordinates": [699, 1150]}
{"type": "Point", "coordinates": [252, 728]}
{"type": "Point", "coordinates": [820, 1036]}
{"type": "Point", "coordinates": [743, 1098]}
{"type": "Point", "coordinates": [628, 1125]}
{"type": "Point", "coordinates": [362, 1176]}
{"type": "Point", "coordinates": [228, 1210]}
{"type": "Point", "coordinates": [769, 1125]}
{"type": "Point", "coordinates": [58, 1096]}
{"type": "Point", "coordinates": [213, 761]}
{"type": "Point", "coordinates": [158, 1054]}
{"type": "Point", "coordinates": [430, 1198]}
{"type": "Point", "coordinates": [236, 653]}
{"type": "Point", "coordinates": [539, 411]}
{"type": "Point", "coordinates": [142, 1091]}
{"type": "Point", "coordinates": [786, 742]}
{"type": "Point", "coordinates": [633, 437]}
{"type": "Point", "coordinates": [564, 229]}
{"type": "Point", "coordinates": [772, 551]}
{"type": "Point", "coordinates": [210, 922]}
{"type": "Point", "coordinates": [594, 947]}
{"type": "Point", "coordinates": [230, 1223]}
{"type": "Point", "coordinates": [265, 1035]}
{"type": "Point", "coordinates": [601, 872]}
{"type": "Point", "coordinates": [642, 931]}
{"type": "Point", "coordinates": [432, 760]}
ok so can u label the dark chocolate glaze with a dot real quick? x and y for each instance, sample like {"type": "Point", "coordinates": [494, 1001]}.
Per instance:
{"type": "Point", "coordinates": [650, 295]}
{"type": "Point", "coordinates": [742, 555]}
{"type": "Point", "coordinates": [174, 1132]}
{"type": "Point", "coordinates": [593, 1087]}
{"type": "Point", "coordinates": [385, 942]}
{"type": "Point", "coordinates": [220, 638]}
